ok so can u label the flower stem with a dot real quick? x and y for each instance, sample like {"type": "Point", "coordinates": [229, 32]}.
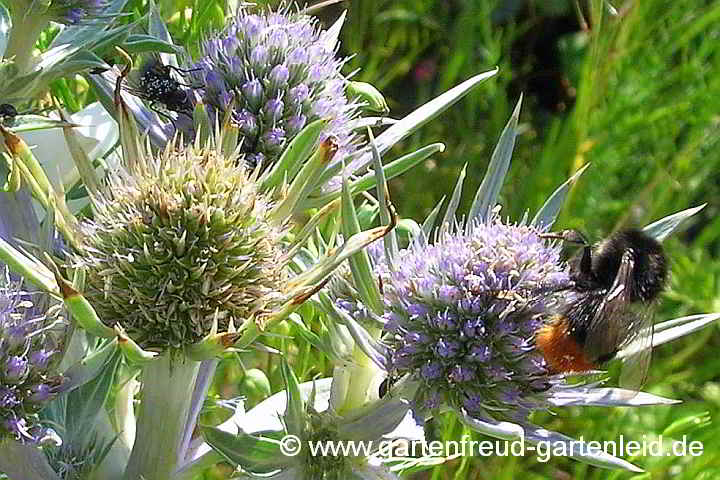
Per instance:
{"type": "Point", "coordinates": [362, 372]}
{"type": "Point", "coordinates": [25, 32]}
{"type": "Point", "coordinates": [168, 384]}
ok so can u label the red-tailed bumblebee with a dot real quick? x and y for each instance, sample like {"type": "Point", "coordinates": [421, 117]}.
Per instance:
{"type": "Point", "coordinates": [611, 289]}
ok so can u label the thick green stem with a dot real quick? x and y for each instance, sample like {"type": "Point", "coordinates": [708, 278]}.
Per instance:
{"type": "Point", "coordinates": [362, 372]}
{"type": "Point", "coordinates": [25, 32]}
{"type": "Point", "coordinates": [166, 396]}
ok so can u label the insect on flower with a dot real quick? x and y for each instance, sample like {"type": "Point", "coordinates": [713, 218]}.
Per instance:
{"type": "Point", "coordinates": [612, 286]}
{"type": "Point", "coordinates": [154, 82]}
{"type": "Point", "coordinates": [7, 114]}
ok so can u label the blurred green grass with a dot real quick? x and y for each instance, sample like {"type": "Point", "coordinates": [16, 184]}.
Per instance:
{"type": "Point", "coordinates": [637, 95]}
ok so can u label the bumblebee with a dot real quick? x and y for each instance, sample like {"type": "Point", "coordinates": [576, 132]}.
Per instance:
{"type": "Point", "coordinates": [608, 310]}
{"type": "Point", "coordinates": [154, 82]}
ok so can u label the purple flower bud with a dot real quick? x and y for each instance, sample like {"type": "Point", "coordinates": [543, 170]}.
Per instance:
{"type": "Point", "coordinates": [253, 93]}
{"type": "Point", "coordinates": [16, 369]}
{"type": "Point", "coordinates": [259, 58]}
{"type": "Point", "coordinates": [41, 393]}
{"type": "Point", "coordinates": [17, 427]}
{"type": "Point", "coordinates": [298, 56]}
{"type": "Point", "coordinates": [298, 94]}
{"type": "Point", "coordinates": [447, 348]}
{"type": "Point", "coordinates": [273, 139]}
{"type": "Point", "coordinates": [296, 123]}
{"type": "Point", "coordinates": [278, 40]}
{"type": "Point", "coordinates": [448, 294]}
{"type": "Point", "coordinates": [246, 123]}
{"type": "Point", "coordinates": [273, 110]}
{"type": "Point", "coordinates": [40, 358]}
{"type": "Point", "coordinates": [445, 321]}
{"type": "Point", "coordinates": [474, 328]}
{"type": "Point", "coordinates": [8, 398]}
{"type": "Point", "coordinates": [473, 402]}
{"type": "Point", "coordinates": [462, 373]}
{"type": "Point", "coordinates": [418, 338]}
{"type": "Point", "coordinates": [417, 310]}
{"type": "Point", "coordinates": [279, 76]}
{"type": "Point", "coordinates": [431, 371]}
{"type": "Point", "coordinates": [251, 26]}
{"type": "Point", "coordinates": [479, 354]}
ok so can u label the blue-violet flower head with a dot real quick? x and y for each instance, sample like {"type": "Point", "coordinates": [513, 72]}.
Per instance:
{"type": "Point", "coordinates": [461, 315]}
{"type": "Point", "coordinates": [28, 350]}
{"type": "Point", "coordinates": [277, 71]}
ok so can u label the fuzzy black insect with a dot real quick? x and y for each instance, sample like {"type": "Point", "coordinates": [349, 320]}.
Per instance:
{"type": "Point", "coordinates": [7, 114]}
{"type": "Point", "coordinates": [612, 287]}
{"type": "Point", "coordinates": [156, 84]}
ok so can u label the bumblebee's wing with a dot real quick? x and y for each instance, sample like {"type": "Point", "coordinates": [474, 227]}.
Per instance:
{"type": "Point", "coordinates": [608, 328]}
{"type": "Point", "coordinates": [636, 350]}
{"type": "Point", "coordinates": [618, 327]}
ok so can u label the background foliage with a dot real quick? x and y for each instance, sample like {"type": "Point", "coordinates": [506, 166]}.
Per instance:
{"type": "Point", "coordinates": [636, 94]}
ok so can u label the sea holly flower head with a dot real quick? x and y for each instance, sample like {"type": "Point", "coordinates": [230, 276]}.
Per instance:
{"type": "Point", "coordinates": [28, 354]}
{"type": "Point", "coordinates": [461, 314]}
{"type": "Point", "coordinates": [273, 74]}
{"type": "Point", "coordinates": [181, 244]}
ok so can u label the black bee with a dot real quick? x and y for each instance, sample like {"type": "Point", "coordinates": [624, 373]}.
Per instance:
{"type": "Point", "coordinates": [154, 82]}
{"type": "Point", "coordinates": [7, 114]}
{"type": "Point", "coordinates": [612, 285]}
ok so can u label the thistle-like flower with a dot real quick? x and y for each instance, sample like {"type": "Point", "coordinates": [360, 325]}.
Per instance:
{"type": "Point", "coordinates": [461, 314]}
{"type": "Point", "coordinates": [28, 354]}
{"type": "Point", "coordinates": [273, 74]}
{"type": "Point", "coordinates": [180, 244]}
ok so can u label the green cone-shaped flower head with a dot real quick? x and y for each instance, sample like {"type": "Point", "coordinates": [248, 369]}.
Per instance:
{"type": "Point", "coordinates": [179, 240]}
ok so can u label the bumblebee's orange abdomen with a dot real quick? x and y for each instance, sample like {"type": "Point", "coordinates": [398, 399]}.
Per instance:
{"type": "Point", "coordinates": [560, 349]}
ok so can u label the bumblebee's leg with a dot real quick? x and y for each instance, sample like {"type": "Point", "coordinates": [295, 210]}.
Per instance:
{"type": "Point", "coordinates": [576, 238]}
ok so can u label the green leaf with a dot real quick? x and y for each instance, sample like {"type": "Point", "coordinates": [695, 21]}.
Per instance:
{"type": "Point", "coordinates": [139, 43]}
{"type": "Point", "coordinates": [383, 194]}
{"type": "Point", "coordinates": [90, 366]}
{"type": "Point", "coordinates": [391, 170]}
{"type": "Point", "coordinates": [253, 454]}
{"type": "Point", "coordinates": [546, 216]}
{"type": "Point", "coordinates": [429, 222]}
{"type": "Point", "coordinates": [294, 156]}
{"type": "Point", "coordinates": [28, 267]}
{"type": "Point", "coordinates": [359, 262]}
{"type": "Point", "coordinates": [85, 402]}
{"type": "Point", "coordinates": [487, 194]}
{"type": "Point", "coordinates": [86, 32]}
{"type": "Point", "coordinates": [665, 226]}
{"type": "Point", "coordinates": [294, 417]}
{"type": "Point", "coordinates": [449, 218]}
{"type": "Point", "coordinates": [158, 29]}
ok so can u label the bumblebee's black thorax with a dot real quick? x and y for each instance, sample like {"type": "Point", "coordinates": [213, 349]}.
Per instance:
{"type": "Point", "coordinates": [649, 267]}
